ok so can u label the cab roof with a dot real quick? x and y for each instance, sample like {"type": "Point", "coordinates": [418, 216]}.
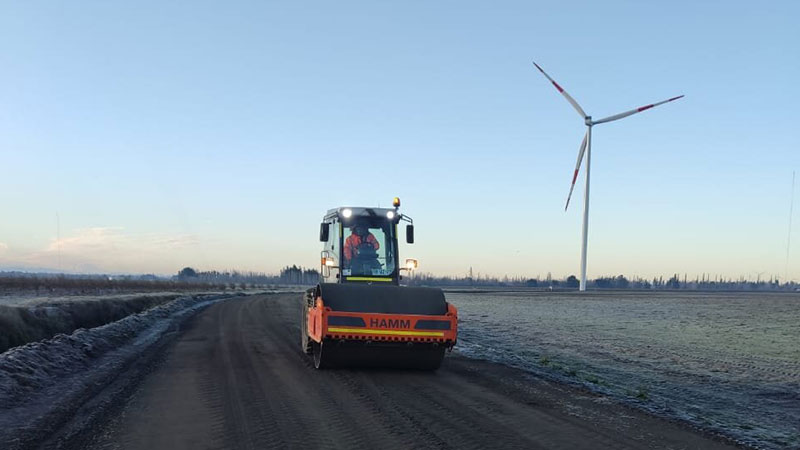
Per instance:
{"type": "Point", "coordinates": [359, 211]}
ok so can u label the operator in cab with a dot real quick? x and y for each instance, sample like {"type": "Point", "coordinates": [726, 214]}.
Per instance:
{"type": "Point", "coordinates": [359, 238]}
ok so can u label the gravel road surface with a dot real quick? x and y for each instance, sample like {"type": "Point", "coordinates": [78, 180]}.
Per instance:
{"type": "Point", "coordinates": [235, 378]}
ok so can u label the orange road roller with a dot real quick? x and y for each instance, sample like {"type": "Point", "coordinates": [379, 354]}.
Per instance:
{"type": "Point", "coordinates": [359, 315]}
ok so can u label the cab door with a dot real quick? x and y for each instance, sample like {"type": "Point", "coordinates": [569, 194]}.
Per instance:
{"type": "Point", "coordinates": [331, 252]}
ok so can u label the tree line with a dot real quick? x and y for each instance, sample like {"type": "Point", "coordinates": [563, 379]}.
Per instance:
{"type": "Point", "coordinates": [674, 282]}
{"type": "Point", "coordinates": [189, 278]}
{"type": "Point", "coordinates": [288, 275]}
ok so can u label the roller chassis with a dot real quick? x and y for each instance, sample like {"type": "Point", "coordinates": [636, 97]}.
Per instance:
{"type": "Point", "coordinates": [409, 341]}
{"type": "Point", "coordinates": [360, 316]}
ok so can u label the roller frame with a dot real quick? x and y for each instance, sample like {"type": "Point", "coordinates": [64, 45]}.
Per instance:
{"type": "Point", "coordinates": [320, 329]}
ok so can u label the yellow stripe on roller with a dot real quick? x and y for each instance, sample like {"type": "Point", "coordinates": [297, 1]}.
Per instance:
{"type": "Point", "coordinates": [368, 279]}
{"type": "Point", "coordinates": [387, 332]}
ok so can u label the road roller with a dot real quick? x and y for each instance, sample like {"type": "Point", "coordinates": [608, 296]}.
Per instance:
{"type": "Point", "coordinates": [359, 315]}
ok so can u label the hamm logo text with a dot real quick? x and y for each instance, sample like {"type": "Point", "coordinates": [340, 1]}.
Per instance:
{"type": "Point", "coordinates": [389, 323]}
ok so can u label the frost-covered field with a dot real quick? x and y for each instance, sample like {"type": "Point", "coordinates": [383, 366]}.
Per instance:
{"type": "Point", "coordinates": [729, 362]}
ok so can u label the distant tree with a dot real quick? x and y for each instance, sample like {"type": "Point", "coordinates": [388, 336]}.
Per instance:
{"type": "Point", "coordinates": [673, 283]}
{"type": "Point", "coordinates": [299, 275]}
{"type": "Point", "coordinates": [604, 282]}
{"type": "Point", "coordinates": [187, 272]}
{"type": "Point", "coordinates": [572, 282]}
{"type": "Point", "coordinates": [532, 282]}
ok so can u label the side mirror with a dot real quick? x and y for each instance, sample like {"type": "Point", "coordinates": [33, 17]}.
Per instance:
{"type": "Point", "coordinates": [410, 234]}
{"type": "Point", "coordinates": [324, 231]}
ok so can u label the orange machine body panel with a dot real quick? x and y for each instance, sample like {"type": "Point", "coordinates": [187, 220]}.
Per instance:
{"type": "Point", "coordinates": [324, 323]}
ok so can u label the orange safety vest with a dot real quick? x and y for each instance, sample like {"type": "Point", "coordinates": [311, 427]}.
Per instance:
{"type": "Point", "coordinates": [354, 241]}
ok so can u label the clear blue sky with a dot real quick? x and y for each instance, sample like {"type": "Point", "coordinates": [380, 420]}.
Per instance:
{"type": "Point", "coordinates": [167, 134]}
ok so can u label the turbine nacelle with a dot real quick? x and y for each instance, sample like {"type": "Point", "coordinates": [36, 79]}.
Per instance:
{"type": "Point", "coordinates": [588, 121]}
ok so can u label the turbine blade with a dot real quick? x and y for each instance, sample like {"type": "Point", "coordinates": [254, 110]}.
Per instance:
{"type": "Point", "coordinates": [563, 92]}
{"type": "Point", "coordinates": [634, 111]}
{"type": "Point", "coordinates": [577, 168]}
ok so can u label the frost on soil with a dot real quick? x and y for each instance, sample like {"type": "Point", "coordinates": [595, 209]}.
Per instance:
{"type": "Point", "coordinates": [725, 362]}
{"type": "Point", "coordinates": [43, 383]}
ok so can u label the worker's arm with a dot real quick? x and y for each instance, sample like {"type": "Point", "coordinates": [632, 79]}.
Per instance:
{"type": "Point", "coordinates": [348, 249]}
{"type": "Point", "coordinates": [371, 239]}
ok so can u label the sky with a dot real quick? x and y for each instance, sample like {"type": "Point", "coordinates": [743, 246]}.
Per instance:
{"type": "Point", "coordinates": [142, 137]}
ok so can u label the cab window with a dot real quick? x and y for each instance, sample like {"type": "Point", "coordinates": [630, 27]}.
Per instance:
{"type": "Point", "coordinates": [368, 250]}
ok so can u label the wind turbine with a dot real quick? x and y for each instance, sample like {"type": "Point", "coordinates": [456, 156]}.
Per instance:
{"type": "Point", "coordinates": [586, 147]}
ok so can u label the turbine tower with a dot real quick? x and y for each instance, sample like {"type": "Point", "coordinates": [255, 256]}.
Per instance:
{"type": "Point", "coordinates": [586, 147]}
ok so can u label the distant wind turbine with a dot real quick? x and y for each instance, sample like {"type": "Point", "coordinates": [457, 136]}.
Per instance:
{"type": "Point", "coordinates": [789, 234]}
{"type": "Point", "coordinates": [586, 147]}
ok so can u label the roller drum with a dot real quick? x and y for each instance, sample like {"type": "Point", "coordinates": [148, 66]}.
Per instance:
{"type": "Point", "coordinates": [372, 298]}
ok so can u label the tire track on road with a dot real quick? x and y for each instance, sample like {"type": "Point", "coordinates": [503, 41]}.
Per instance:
{"type": "Point", "coordinates": [258, 390]}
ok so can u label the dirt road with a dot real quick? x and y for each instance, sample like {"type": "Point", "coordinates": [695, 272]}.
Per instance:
{"type": "Point", "coordinates": [235, 378]}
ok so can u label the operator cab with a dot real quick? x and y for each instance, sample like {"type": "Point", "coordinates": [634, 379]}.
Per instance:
{"type": "Point", "coordinates": [360, 245]}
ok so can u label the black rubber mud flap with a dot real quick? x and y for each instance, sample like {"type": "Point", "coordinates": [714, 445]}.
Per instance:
{"type": "Point", "coordinates": [370, 298]}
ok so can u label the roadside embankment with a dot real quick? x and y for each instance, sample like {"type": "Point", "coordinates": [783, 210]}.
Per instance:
{"type": "Point", "coordinates": [21, 324]}
{"type": "Point", "coordinates": [44, 384]}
